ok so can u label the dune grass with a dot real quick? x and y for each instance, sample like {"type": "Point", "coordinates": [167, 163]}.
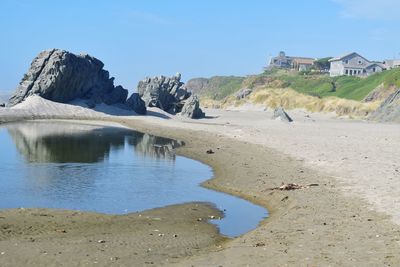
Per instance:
{"type": "Point", "coordinates": [291, 99]}
{"type": "Point", "coordinates": [347, 87]}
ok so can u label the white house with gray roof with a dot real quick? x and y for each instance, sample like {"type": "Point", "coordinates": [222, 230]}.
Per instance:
{"type": "Point", "coordinates": [392, 63]}
{"type": "Point", "coordinates": [353, 64]}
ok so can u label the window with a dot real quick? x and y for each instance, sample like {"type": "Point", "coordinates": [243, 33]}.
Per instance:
{"type": "Point", "coordinates": [359, 62]}
{"type": "Point", "coordinates": [351, 72]}
{"type": "Point", "coordinates": [347, 72]}
{"type": "Point", "coordinates": [346, 61]}
{"type": "Point", "coordinates": [373, 69]}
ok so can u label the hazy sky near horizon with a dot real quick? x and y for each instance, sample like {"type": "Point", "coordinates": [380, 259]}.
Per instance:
{"type": "Point", "coordinates": [197, 38]}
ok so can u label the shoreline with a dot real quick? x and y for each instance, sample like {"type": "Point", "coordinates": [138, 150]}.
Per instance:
{"type": "Point", "coordinates": [337, 237]}
{"type": "Point", "coordinates": [300, 229]}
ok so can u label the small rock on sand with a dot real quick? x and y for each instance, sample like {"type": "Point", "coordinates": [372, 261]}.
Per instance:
{"type": "Point", "coordinates": [280, 113]}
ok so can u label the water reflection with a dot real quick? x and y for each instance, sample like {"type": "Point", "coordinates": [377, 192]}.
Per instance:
{"type": "Point", "coordinates": [60, 142]}
{"type": "Point", "coordinates": [108, 170]}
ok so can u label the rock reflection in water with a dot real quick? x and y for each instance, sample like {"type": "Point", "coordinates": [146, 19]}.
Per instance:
{"type": "Point", "coordinates": [60, 142]}
{"type": "Point", "coordinates": [154, 146]}
{"type": "Point", "coordinates": [106, 169]}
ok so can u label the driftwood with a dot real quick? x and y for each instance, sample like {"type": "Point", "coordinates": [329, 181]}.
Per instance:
{"type": "Point", "coordinates": [291, 186]}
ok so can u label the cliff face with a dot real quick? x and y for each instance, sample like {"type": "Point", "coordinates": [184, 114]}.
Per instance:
{"type": "Point", "coordinates": [389, 110]}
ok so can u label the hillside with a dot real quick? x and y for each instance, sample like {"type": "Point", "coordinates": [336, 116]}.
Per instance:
{"type": "Point", "coordinates": [350, 96]}
{"type": "Point", "coordinates": [216, 87]}
{"type": "Point", "coordinates": [347, 87]}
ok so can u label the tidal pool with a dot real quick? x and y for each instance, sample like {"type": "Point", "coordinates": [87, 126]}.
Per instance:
{"type": "Point", "coordinates": [110, 170]}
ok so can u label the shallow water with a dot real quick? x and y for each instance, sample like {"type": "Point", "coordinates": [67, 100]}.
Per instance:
{"type": "Point", "coordinates": [109, 170]}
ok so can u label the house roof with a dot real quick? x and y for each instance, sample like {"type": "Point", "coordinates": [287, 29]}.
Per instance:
{"type": "Point", "coordinates": [375, 64]}
{"type": "Point", "coordinates": [346, 55]}
{"type": "Point", "coordinates": [308, 61]}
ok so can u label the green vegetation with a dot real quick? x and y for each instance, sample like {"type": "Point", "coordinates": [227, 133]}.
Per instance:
{"type": "Point", "coordinates": [314, 83]}
{"type": "Point", "coordinates": [219, 87]}
{"type": "Point", "coordinates": [348, 87]}
{"type": "Point", "coordinates": [322, 63]}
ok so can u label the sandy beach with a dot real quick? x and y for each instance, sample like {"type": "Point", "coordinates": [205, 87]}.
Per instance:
{"type": "Point", "coordinates": [349, 219]}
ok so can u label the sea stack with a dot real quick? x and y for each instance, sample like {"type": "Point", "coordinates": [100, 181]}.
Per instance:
{"type": "Point", "coordinates": [61, 76]}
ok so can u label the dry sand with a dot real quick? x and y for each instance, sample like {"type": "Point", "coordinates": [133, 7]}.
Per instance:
{"type": "Point", "coordinates": [350, 219]}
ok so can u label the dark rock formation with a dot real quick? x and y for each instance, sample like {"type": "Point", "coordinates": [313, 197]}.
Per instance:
{"type": "Point", "coordinates": [389, 110]}
{"type": "Point", "coordinates": [135, 103]}
{"type": "Point", "coordinates": [169, 94]}
{"type": "Point", "coordinates": [191, 108]}
{"type": "Point", "coordinates": [61, 76]}
{"type": "Point", "coordinates": [279, 112]}
{"type": "Point", "coordinates": [242, 93]}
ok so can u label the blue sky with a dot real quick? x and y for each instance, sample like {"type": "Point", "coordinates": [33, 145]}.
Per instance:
{"type": "Point", "coordinates": [197, 38]}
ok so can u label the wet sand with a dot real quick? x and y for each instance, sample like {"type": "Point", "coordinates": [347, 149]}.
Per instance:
{"type": "Point", "coordinates": [318, 226]}
{"type": "Point", "coordinates": [44, 237]}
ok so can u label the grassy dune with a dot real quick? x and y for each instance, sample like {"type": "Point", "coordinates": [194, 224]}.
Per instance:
{"type": "Point", "coordinates": [313, 92]}
{"type": "Point", "coordinates": [291, 99]}
{"type": "Point", "coordinates": [347, 87]}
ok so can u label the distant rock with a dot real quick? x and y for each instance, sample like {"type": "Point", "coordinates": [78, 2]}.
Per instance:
{"type": "Point", "coordinates": [242, 93]}
{"type": "Point", "coordinates": [168, 94]}
{"type": "Point", "coordinates": [196, 85]}
{"type": "Point", "coordinates": [62, 76]}
{"type": "Point", "coordinates": [137, 104]}
{"type": "Point", "coordinates": [280, 113]}
{"type": "Point", "coordinates": [191, 108]}
{"type": "Point", "coordinates": [389, 110]}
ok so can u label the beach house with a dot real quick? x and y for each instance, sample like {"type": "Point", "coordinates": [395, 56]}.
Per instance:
{"type": "Point", "coordinates": [282, 61]}
{"type": "Point", "coordinates": [353, 64]}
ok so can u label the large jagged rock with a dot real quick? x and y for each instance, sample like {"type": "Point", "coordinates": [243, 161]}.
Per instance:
{"type": "Point", "coordinates": [191, 108]}
{"type": "Point", "coordinates": [169, 94]}
{"type": "Point", "coordinates": [280, 113]}
{"type": "Point", "coordinates": [137, 104]}
{"type": "Point", "coordinates": [389, 110]}
{"type": "Point", "coordinates": [62, 76]}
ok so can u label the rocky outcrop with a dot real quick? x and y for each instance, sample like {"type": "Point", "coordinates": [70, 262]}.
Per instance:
{"type": "Point", "coordinates": [380, 93]}
{"type": "Point", "coordinates": [191, 108]}
{"type": "Point", "coordinates": [61, 76]}
{"type": "Point", "coordinates": [168, 94]}
{"type": "Point", "coordinates": [135, 103]}
{"type": "Point", "coordinates": [242, 93]}
{"type": "Point", "coordinates": [280, 113]}
{"type": "Point", "coordinates": [389, 110]}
